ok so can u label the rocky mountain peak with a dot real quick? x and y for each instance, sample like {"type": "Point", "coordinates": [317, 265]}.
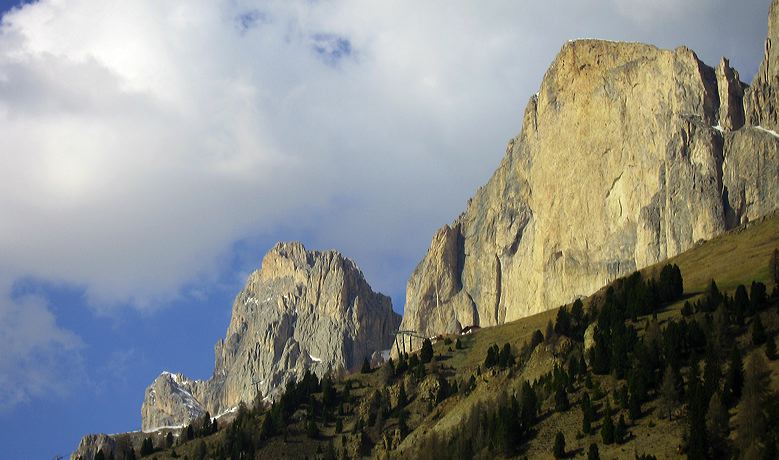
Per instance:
{"type": "Point", "coordinates": [302, 310]}
{"type": "Point", "coordinates": [628, 154]}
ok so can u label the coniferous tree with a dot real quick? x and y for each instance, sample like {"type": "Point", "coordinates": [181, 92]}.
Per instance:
{"type": "Point", "coordinates": [669, 394]}
{"type": "Point", "coordinates": [312, 431]}
{"type": "Point", "coordinates": [734, 378]}
{"type": "Point", "coordinates": [592, 452]}
{"type": "Point", "coordinates": [458, 345]}
{"type": "Point", "coordinates": [607, 430]}
{"type": "Point", "coordinates": [549, 331]}
{"type": "Point", "coordinates": [751, 417]}
{"type": "Point", "coordinates": [696, 414]}
{"type": "Point", "coordinates": [587, 414]}
{"type": "Point", "coordinates": [506, 358]}
{"type": "Point", "coordinates": [366, 366]}
{"type": "Point", "coordinates": [758, 295]}
{"type": "Point", "coordinates": [426, 354]}
{"type": "Point", "coordinates": [561, 402]}
{"type": "Point", "coordinates": [536, 339]}
{"type": "Point", "coordinates": [529, 405]}
{"type": "Point", "coordinates": [770, 348]}
{"type": "Point", "coordinates": [402, 423]}
{"type": "Point", "coordinates": [402, 397]}
{"type": "Point", "coordinates": [563, 322]}
{"type": "Point", "coordinates": [711, 373]}
{"type": "Point", "coordinates": [169, 439]}
{"type": "Point", "coordinates": [740, 304]}
{"type": "Point", "coordinates": [634, 407]}
{"type": "Point", "coordinates": [147, 447]}
{"type": "Point", "coordinates": [559, 445]}
{"type": "Point", "coordinates": [717, 420]}
{"type": "Point", "coordinates": [620, 431]}
{"type": "Point", "coordinates": [758, 331]}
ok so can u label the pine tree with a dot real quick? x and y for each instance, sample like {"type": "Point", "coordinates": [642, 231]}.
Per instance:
{"type": "Point", "coordinates": [402, 423]}
{"type": "Point", "coordinates": [366, 366]}
{"type": "Point", "coordinates": [536, 339]}
{"type": "Point", "coordinates": [634, 407]}
{"type": "Point", "coordinates": [561, 399]}
{"type": "Point", "coordinates": [696, 414]}
{"type": "Point", "coordinates": [734, 378]}
{"type": "Point", "coordinates": [587, 415]}
{"type": "Point", "coordinates": [147, 447]}
{"type": "Point", "coordinates": [717, 420]}
{"type": "Point", "coordinates": [426, 354]}
{"type": "Point", "coordinates": [402, 397]}
{"type": "Point", "coordinates": [312, 431]}
{"type": "Point", "coordinates": [563, 322]}
{"type": "Point", "coordinates": [621, 430]}
{"type": "Point", "coordinates": [773, 266]}
{"type": "Point", "coordinates": [669, 395]}
{"type": "Point", "coordinates": [592, 452]}
{"type": "Point", "coordinates": [607, 430]}
{"type": "Point", "coordinates": [506, 358]}
{"type": "Point", "coordinates": [169, 439]}
{"type": "Point", "coordinates": [758, 332]}
{"type": "Point", "coordinates": [549, 331]}
{"type": "Point", "coordinates": [559, 445]}
{"type": "Point", "coordinates": [529, 405]}
{"type": "Point", "coordinates": [751, 418]}
{"type": "Point", "coordinates": [758, 295]}
{"type": "Point", "coordinates": [770, 348]}
{"type": "Point", "coordinates": [458, 345]}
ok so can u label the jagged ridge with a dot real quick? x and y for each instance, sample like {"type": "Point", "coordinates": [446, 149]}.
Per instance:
{"type": "Point", "coordinates": [301, 310]}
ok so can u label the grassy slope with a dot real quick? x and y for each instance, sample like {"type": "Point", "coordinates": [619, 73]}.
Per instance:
{"type": "Point", "coordinates": [737, 257]}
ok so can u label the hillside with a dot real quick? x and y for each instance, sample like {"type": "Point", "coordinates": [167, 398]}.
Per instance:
{"type": "Point", "coordinates": [443, 422]}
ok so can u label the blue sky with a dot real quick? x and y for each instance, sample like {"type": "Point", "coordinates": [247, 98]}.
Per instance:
{"type": "Point", "coordinates": [153, 151]}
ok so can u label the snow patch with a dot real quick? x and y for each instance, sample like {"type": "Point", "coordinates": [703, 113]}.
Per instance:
{"type": "Point", "coordinates": [231, 410]}
{"type": "Point", "coordinates": [719, 128]}
{"type": "Point", "coordinates": [314, 358]}
{"type": "Point", "coordinates": [165, 427]}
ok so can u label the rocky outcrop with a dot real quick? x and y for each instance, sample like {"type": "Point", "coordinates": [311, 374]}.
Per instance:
{"type": "Point", "coordinates": [628, 155]}
{"type": "Point", "coordinates": [302, 310]}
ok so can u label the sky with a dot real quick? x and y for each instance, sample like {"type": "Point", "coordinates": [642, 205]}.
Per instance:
{"type": "Point", "coordinates": [151, 153]}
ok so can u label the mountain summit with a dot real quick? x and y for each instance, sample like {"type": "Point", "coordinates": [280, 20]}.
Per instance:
{"type": "Point", "coordinates": [628, 155]}
{"type": "Point", "coordinates": [302, 310]}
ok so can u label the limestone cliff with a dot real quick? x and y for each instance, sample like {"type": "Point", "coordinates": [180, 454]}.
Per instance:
{"type": "Point", "coordinates": [301, 310]}
{"type": "Point", "coordinates": [628, 155]}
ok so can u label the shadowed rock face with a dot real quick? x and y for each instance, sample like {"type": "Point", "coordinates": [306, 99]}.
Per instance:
{"type": "Point", "coordinates": [628, 155]}
{"type": "Point", "coordinates": [301, 310]}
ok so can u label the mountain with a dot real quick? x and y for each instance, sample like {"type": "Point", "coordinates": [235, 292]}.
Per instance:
{"type": "Point", "coordinates": [458, 403]}
{"type": "Point", "coordinates": [628, 155]}
{"type": "Point", "coordinates": [303, 310]}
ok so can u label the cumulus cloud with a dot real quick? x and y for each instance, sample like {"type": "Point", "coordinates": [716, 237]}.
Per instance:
{"type": "Point", "coordinates": [39, 358]}
{"type": "Point", "coordinates": [141, 139]}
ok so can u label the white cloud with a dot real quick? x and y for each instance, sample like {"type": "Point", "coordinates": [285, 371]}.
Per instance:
{"type": "Point", "coordinates": [141, 139]}
{"type": "Point", "coordinates": [39, 359]}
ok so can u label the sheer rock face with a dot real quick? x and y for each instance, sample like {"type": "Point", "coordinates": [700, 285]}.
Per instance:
{"type": "Point", "coordinates": [628, 155]}
{"type": "Point", "coordinates": [301, 310]}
